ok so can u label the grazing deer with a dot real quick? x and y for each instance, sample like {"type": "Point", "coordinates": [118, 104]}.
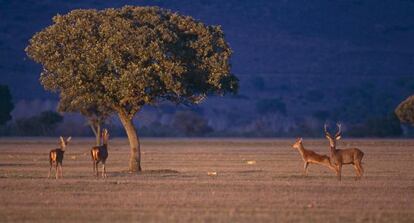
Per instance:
{"type": "Point", "coordinates": [340, 157]}
{"type": "Point", "coordinates": [310, 156]}
{"type": "Point", "coordinates": [56, 156]}
{"type": "Point", "coordinates": [100, 154]}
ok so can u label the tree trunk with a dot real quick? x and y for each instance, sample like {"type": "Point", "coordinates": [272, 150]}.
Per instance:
{"type": "Point", "coordinates": [96, 129]}
{"type": "Point", "coordinates": [98, 134]}
{"type": "Point", "coordinates": [135, 157]}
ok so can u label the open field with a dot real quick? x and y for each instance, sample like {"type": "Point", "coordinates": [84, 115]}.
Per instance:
{"type": "Point", "coordinates": [175, 187]}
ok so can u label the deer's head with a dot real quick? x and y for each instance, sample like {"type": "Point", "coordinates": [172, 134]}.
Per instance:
{"type": "Point", "coordinates": [63, 143]}
{"type": "Point", "coordinates": [105, 135]}
{"type": "Point", "coordinates": [332, 139]}
{"type": "Point", "coordinates": [298, 143]}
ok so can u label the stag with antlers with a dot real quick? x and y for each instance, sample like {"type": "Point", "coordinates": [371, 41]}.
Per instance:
{"type": "Point", "coordinates": [341, 157]}
{"type": "Point", "coordinates": [100, 154]}
{"type": "Point", "coordinates": [56, 157]}
{"type": "Point", "coordinates": [310, 156]}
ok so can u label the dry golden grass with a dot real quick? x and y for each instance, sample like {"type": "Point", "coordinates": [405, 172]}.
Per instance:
{"type": "Point", "coordinates": [174, 186]}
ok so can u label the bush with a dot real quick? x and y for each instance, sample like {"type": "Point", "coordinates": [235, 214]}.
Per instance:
{"type": "Point", "coordinates": [405, 110]}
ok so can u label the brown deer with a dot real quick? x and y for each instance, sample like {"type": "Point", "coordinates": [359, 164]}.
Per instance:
{"type": "Point", "coordinates": [310, 156]}
{"type": "Point", "coordinates": [56, 156]}
{"type": "Point", "coordinates": [341, 157]}
{"type": "Point", "coordinates": [100, 154]}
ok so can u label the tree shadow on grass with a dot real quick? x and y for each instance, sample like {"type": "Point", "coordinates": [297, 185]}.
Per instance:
{"type": "Point", "coordinates": [144, 172]}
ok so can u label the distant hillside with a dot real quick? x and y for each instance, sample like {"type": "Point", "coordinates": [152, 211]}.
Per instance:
{"type": "Point", "coordinates": [347, 60]}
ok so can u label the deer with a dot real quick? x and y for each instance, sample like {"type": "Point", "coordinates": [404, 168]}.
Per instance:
{"type": "Point", "coordinates": [309, 156]}
{"type": "Point", "coordinates": [56, 156]}
{"type": "Point", "coordinates": [100, 154]}
{"type": "Point", "coordinates": [341, 157]}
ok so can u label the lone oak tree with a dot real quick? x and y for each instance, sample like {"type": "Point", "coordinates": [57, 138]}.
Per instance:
{"type": "Point", "coordinates": [122, 59]}
{"type": "Point", "coordinates": [405, 110]}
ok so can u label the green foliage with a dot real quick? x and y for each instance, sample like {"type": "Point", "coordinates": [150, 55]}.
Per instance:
{"type": "Point", "coordinates": [122, 59]}
{"type": "Point", "coordinates": [274, 105]}
{"type": "Point", "coordinates": [118, 60]}
{"type": "Point", "coordinates": [405, 110]}
{"type": "Point", "coordinates": [6, 104]}
{"type": "Point", "coordinates": [43, 124]}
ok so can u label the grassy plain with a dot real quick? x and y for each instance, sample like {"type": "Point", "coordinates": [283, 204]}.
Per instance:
{"type": "Point", "coordinates": [175, 186]}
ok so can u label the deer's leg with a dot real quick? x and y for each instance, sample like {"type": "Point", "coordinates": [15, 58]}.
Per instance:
{"type": "Point", "coordinates": [103, 170]}
{"type": "Point", "coordinates": [93, 164]}
{"type": "Point", "coordinates": [61, 170]}
{"type": "Point", "coordinates": [357, 172]}
{"type": "Point", "coordinates": [97, 170]}
{"type": "Point", "coordinates": [335, 168]}
{"type": "Point", "coordinates": [360, 168]}
{"type": "Point", "coordinates": [330, 165]}
{"type": "Point", "coordinates": [339, 171]}
{"type": "Point", "coordinates": [50, 170]}
{"type": "Point", "coordinates": [57, 170]}
{"type": "Point", "coordinates": [305, 168]}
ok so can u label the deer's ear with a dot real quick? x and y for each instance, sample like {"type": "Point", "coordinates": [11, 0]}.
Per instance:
{"type": "Point", "coordinates": [328, 137]}
{"type": "Point", "coordinates": [69, 138]}
{"type": "Point", "coordinates": [338, 137]}
{"type": "Point", "coordinates": [62, 140]}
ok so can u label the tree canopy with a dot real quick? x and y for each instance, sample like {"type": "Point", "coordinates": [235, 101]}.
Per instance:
{"type": "Point", "coordinates": [126, 58]}
{"type": "Point", "coordinates": [405, 110]}
{"type": "Point", "coordinates": [122, 59]}
{"type": "Point", "coordinates": [6, 104]}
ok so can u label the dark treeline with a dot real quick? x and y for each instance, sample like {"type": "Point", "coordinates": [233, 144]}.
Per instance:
{"type": "Point", "coordinates": [187, 123]}
{"type": "Point", "coordinates": [169, 121]}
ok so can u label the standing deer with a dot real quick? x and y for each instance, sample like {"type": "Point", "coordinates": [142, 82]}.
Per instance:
{"type": "Point", "coordinates": [340, 157]}
{"type": "Point", "coordinates": [56, 156]}
{"type": "Point", "coordinates": [100, 154]}
{"type": "Point", "coordinates": [310, 156]}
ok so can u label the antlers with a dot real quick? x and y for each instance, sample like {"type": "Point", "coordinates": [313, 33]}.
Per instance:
{"type": "Point", "coordinates": [337, 133]}
{"type": "Point", "coordinates": [64, 142]}
{"type": "Point", "coordinates": [326, 131]}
